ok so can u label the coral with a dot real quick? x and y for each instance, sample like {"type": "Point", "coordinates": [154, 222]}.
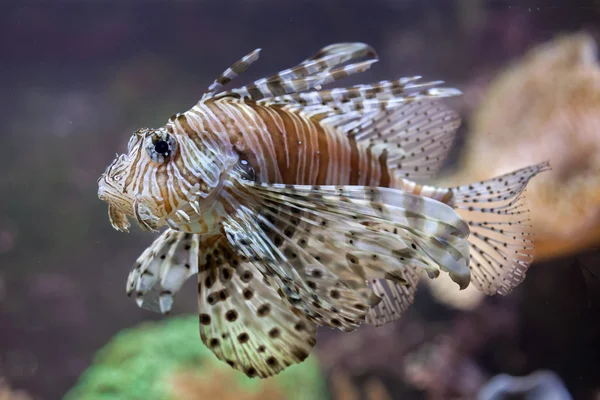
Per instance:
{"type": "Point", "coordinates": [545, 106]}
{"type": "Point", "coordinates": [190, 385]}
{"type": "Point", "coordinates": [167, 360]}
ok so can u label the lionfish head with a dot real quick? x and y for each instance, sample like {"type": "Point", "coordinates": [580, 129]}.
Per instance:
{"type": "Point", "coordinates": [162, 179]}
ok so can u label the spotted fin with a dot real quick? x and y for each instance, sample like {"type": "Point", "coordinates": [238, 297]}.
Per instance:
{"type": "Point", "coordinates": [328, 296]}
{"type": "Point", "coordinates": [414, 138]}
{"type": "Point", "coordinates": [395, 121]}
{"type": "Point", "coordinates": [501, 239]}
{"type": "Point", "coordinates": [243, 320]}
{"type": "Point", "coordinates": [397, 290]}
{"type": "Point", "coordinates": [162, 269]}
{"type": "Point", "coordinates": [291, 230]}
{"type": "Point", "coordinates": [396, 293]}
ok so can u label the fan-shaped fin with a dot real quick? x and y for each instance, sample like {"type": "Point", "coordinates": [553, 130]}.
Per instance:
{"type": "Point", "coordinates": [348, 234]}
{"type": "Point", "coordinates": [501, 239]}
{"type": "Point", "coordinates": [162, 269]}
{"type": "Point", "coordinates": [242, 318]}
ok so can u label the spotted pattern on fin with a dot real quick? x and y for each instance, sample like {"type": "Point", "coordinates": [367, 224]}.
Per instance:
{"type": "Point", "coordinates": [501, 240]}
{"type": "Point", "coordinates": [291, 230]}
{"type": "Point", "coordinates": [416, 136]}
{"type": "Point", "coordinates": [243, 320]}
{"type": "Point", "coordinates": [397, 293]}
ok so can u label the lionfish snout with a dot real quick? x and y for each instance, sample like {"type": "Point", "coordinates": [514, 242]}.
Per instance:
{"type": "Point", "coordinates": [111, 191]}
{"type": "Point", "coordinates": [110, 183]}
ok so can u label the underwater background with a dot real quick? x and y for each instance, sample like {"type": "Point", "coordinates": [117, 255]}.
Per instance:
{"type": "Point", "coordinates": [77, 78]}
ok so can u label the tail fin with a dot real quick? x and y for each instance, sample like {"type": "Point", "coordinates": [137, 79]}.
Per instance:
{"type": "Point", "coordinates": [501, 239]}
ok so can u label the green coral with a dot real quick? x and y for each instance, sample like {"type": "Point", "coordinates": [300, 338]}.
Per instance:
{"type": "Point", "coordinates": [136, 363]}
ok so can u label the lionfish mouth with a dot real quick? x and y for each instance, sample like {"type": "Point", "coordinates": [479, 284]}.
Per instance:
{"type": "Point", "coordinates": [118, 203]}
{"type": "Point", "coordinates": [122, 206]}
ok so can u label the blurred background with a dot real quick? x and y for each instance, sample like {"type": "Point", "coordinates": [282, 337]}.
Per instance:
{"type": "Point", "coordinates": [77, 78]}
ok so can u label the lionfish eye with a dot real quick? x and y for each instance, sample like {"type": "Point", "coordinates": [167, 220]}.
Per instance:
{"type": "Point", "coordinates": [161, 146]}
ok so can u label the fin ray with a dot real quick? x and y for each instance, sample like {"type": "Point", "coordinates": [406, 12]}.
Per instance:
{"type": "Point", "coordinates": [501, 239]}
{"type": "Point", "coordinates": [344, 248]}
{"type": "Point", "coordinates": [319, 69]}
{"type": "Point", "coordinates": [265, 89]}
{"type": "Point", "coordinates": [235, 70]}
{"type": "Point", "coordinates": [243, 320]}
{"type": "Point", "coordinates": [162, 269]}
{"type": "Point", "coordinates": [397, 296]}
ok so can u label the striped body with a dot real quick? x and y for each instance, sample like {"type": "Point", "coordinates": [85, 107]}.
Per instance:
{"type": "Point", "coordinates": [285, 146]}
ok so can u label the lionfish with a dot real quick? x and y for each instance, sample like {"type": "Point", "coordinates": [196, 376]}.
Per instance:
{"type": "Point", "coordinates": [299, 207]}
